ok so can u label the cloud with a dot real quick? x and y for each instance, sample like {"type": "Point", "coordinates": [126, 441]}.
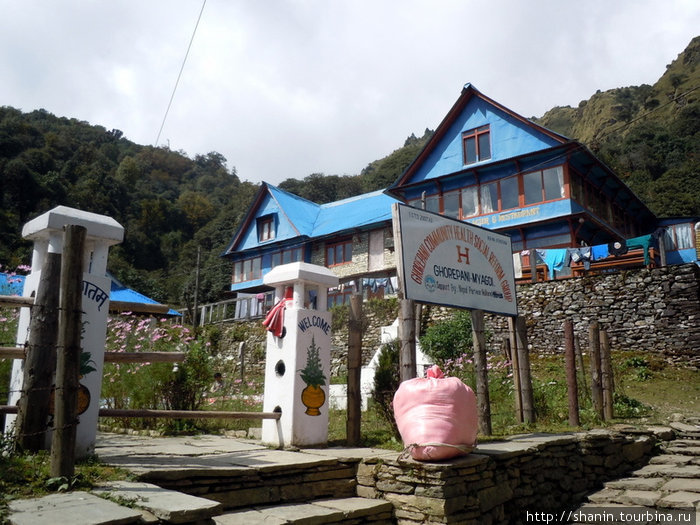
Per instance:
{"type": "Point", "coordinates": [288, 88]}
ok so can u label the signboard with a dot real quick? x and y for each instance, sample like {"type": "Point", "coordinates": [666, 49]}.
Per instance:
{"type": "Point", "coordinates": [452, 263]}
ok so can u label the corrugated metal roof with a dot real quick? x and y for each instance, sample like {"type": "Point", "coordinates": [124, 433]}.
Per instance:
{"type": "Point", "coordinates": [354, 212]}
{"type": "Point", "coordinates": [14, 285]}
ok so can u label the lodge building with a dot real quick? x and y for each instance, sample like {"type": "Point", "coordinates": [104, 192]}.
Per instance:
{"type": "Point", "coordinates": [485, 165]}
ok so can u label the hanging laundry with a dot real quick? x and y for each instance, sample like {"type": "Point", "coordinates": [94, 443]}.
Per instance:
{"type": "Point", "coordinates": [582, 254]}
{"type": "Point", "coordinates": [554, 259]}
{"type": "Point", "coordinates": [517, 265]}
{"type": "Point", "coordinates": [644, 242]}
{"type": "Point", "coordinates": [599, 251]}
{"type": "Point", "coordinates": [617, 248]}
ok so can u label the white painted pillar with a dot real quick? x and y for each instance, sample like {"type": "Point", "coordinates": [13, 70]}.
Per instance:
{"type": "Point", "coordinates": [47, 233]}
{"type": "Point", "coordinates": [299, 358]}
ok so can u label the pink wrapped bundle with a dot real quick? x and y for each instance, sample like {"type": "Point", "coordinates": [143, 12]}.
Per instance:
{"type": "Point", "coordinates": [436, 416]}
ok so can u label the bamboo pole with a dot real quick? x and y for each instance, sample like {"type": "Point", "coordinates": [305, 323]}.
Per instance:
{"type": "Point", "coordinates": [482, 381]}
{"type": "Point", "coordinates": [515, 366]}
{"type": "Point", "coordinates": [596, 387]}
{"type": "Point", "coordinates": [407, 333]}
{"type": "Point", "coordinates": [606, 376]}
{"type": "Point", "coordinates": [354, 397]}
{"type": "Point", "coordinates": [528, 399]}
{"type": "Point", "coordinates": [68, 354]}
{"type": "Point", "coordinates": [571, 383]}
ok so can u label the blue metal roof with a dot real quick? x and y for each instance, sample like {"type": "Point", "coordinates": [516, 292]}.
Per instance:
{"type": "Point", "coordinates": [300, 218]}
{"type": "Point", "coordinates": [11, 284]}
{"type": "Point", "coordinates": [355, 212]}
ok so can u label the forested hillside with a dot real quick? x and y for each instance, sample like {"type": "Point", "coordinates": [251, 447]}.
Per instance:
{"type": "Point", "coordinates": [649, 135]}
{"type": "Point", "coordinates": [170, 204]}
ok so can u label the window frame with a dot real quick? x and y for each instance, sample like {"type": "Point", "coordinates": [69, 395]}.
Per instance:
{"type": "Point", "coordinates": [346, 247]}
{"type": "Point", "coordinates": [476, 134]}
{"type": "Point", "coordinates": [266, 228]}
{"type": "Point", "coordinates": [246, 270]}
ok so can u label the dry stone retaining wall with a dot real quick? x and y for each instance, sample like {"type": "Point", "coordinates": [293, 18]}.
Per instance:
{"type": "Point", "coordinates": [656, 310]}
{"type": "Point", "coordinates": [500, 482]}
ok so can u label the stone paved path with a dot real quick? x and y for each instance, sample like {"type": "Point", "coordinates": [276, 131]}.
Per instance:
{"type": "Point", "coordinates": [668, 487]}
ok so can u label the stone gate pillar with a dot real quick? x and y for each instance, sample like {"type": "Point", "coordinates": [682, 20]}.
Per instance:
{"type": "Point", "coordinates": [297, 365]}
{"type": "Point", "coordinates": [47, 233]}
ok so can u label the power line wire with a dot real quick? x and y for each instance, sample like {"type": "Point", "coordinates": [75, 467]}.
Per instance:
{"type": "Point", "coordinates": [182, 67]}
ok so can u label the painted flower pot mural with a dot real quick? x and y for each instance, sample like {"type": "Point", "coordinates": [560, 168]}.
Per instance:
{"type": "Point", "coordinates": [86, 367]}
{"type": "Point", "coordinates": [313, 397]}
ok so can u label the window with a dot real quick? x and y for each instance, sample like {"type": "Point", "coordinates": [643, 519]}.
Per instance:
{"type": "Point", "coordinates": [266, 228]}
{"type": "Point", "coordinates": [489, 197]}
{"type": "Point", "coordinates": [510, 193]}
{"type": "Point", "coordinates": [450, 203]}
{"type": "Point", "coordinates": [339, 253]}
{"type": "Point", "coordinates": [678, 237]}
{"type": "Point", "coordinates": [545, 185]}
{"type": "Point", "coordinates": [470, 201]}
{"type": "Point", "coordinates": [287, 256]}
{"type": "Point", "coordinates": [476, 144]}
{"type": "Point", "coordinates": [247, 270]}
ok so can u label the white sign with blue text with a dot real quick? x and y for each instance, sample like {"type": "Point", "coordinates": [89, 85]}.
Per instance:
{"type": "Point", "coordinates": [452, 263]}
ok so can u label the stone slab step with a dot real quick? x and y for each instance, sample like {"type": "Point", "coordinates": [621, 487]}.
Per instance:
{"type": "Point", "coordinates": [345, 510]}
{"type": "Point", "coordinates": [73, 508]}
{"type": "Point", "coordinates": [167, 505]}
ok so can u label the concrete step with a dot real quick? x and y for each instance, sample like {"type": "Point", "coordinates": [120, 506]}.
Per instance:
{"type": "Point", "coordinates": [346, 511]}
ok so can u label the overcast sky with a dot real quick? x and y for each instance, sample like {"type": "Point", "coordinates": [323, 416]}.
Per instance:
{"type": "Point", "coordinates": [288, 88]}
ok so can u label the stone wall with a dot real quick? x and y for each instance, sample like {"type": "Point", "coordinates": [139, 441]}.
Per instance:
{"type": "Point", "coordinates": [502, 481]}
{"type": "Point", "coordinates": [656, 310]}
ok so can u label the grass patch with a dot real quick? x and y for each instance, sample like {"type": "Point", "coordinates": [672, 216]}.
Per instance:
{"type": "Point", "coordinates": [28, 476]}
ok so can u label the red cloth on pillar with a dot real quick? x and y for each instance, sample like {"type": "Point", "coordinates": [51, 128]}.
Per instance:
{"type": "Point", "coordinates": [274, 321]}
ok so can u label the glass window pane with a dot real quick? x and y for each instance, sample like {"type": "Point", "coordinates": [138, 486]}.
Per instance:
{"type": "Point", "coordinates": [286, 257]}
{"type": "Point", "coordinates": [255, 273]}
{"type": "Point", "coordinates": [489, 197]}
{"type": "Point", "coordinates": [238, 272]}
{"type": "Point", "coordinates": [484, 146]}
{"type": "Point", "coordinates": [348, 251]}
{"type": "Point", "coordinates": [330, 259]}
{"type": "Point", "coordinates": [509, 193]}
{"type": "Point", "coordinates": [432, 203]}
{"type": "Point", "coordinates": [533, 187]}
{"type": "Point", "coordinates": [684, 236]}
{"type": "Point", "coordinates": [276, 258]}
{"type": "Point", "coordinates": [553, 183]}
{"type": "Point", "coordinates": [470, 201]}
{"type": "Point", "coordinates": [339, 254]}
{"type": "Point", "coordinates": [469, 150]}
{"type": "Point", "coordinates": [450, 202]}
{"type": "Point", "coordinates": [296, 255]}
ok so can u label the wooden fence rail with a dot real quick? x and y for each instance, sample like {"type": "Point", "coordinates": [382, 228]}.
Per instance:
{"type": "Point", "coordinates": [171, 414]}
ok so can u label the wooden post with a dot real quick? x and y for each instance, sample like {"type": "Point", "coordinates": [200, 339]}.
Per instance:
{"type": "Point", "coordinates": [528, 400]}
{"type": "Point", "coordinates": [533, 265]}
{"type": "Point", "coordinates": [482, 380]}
{"type": "Point", "coordinates": [68, 353]}
{"type": "Point", "coordinates": [571, 383]}
{"type": "Point", "coordinates": [515, 366]}
{"type": "Point", "coordinates": [354, 398]}
{"type": "Point", "coordinates": [40, 360]}
{"type": "Point", "coordinates": [407, 334]}
{"type": "Point", "coordinates": [596, 387]}
{"type": "Point", "coordinates": [606, 376]}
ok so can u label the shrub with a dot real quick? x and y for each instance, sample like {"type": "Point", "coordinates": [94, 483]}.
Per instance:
{"type": "Point", "coordinates": [449, 339]}
{"type": "Point", "coordinates": [386, 382]}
